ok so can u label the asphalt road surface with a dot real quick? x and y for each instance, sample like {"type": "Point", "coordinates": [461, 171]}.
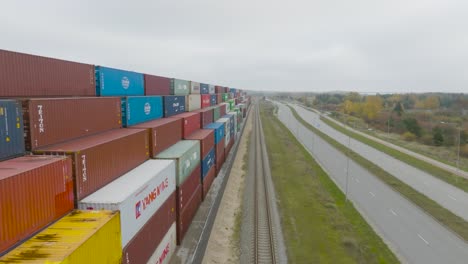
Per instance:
{"type": "Point", "coordinates": [412, 234]}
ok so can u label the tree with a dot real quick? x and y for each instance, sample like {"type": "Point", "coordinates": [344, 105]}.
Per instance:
{"type": "Point", "coordinates": [437, 136]}
{"type": "Point", "coordinates": [354, 97]}
{"type": "Point", "coordinates": [412, 126]}
{"type": "Point", "coordinates": [398, 108]}
{"type": "Point", "coordinates": [372, 106]}
{"type": "Point", "coordinates": [432, 102]}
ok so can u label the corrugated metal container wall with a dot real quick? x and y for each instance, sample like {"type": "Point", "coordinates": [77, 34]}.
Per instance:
{"type": "Point", "coordinates": [227, 149]}
{"type": "Point", "coordinates": [232, 122]}
{"type": "Point", "coordinates": [11, 129]}
{"type": "Point", "coordinates": [219, 154]}
{"type": "Point", "coordinates": [223, 109]}
{"type": "Point", "coordinates": [219, 98]}
{"type": "Point", "coordinates": [207, 181]}
{"type": "Point", "coordinates": [205, 100]}
{"type": "Point", "coordinates": [166, 248]}
{"type": "Point", "coordinates": [187, 188]}
{"type": "Point", "coordinates": [115, 82]}
{"type": "Point", "coordinates": [174, 105]}
{"type": "Point", "coordinates": [193, 102]}
{"type": "Point", "coordinates": [213, 99]}
{"type": "Point", "coordinates": [101, 158]}
{"type": "Point", "coordinates": [225, 97]}
{"type": "Point", "coordinates": [52, 121]}
{"type": "Point", "coordinates": [139, 109]}
{"type": "Point", "coordinates": [211, 89]}
{"type": "Point", "coordinates": [137, 195]}
{"type": "Point", "coordinates": [162, 133]}
{"type": "Point", "coordinates": [216, 112]}
{"type": "Point", "coordinates": [187, 154]}
{"type": "Point", "coordinates": [206, 116]}
{"type": "Point", "coordinates": [204, 88]}
{"type": "Point", "coordinates": [190, 123]}
{"type": "Point", "coordinates": [141, 248]}
{"type": "Point", "coordinates": [25, 75]}
{"type": "Point", "coordinates": [180, 87]}
{"type": "Point", "coordinates": [208, 162]}
{"type": "Point", "coordinates": [194, 87]}
{"type": "Point", "coordinates": [232, 103]}
{"type": "Point", "coordinates": [185, 217]}
{"type": "Point", "coordinates": [157, 85]}
{"type": "Point", "coordinates": [80, 237]}
{"type": "Point", "coordinates": [34, 191]}
{"type": "Point", "coordinates": [218, 131]}
{"type": "Point", "coordinates": [206, 137]}
{"type": "Point", "coordinates": [219, 89]}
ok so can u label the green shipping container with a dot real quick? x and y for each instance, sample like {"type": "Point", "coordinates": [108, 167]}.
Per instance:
{"type": "Point", "coordinates": [187, 156]}
{"type": "Point", "coordinates": [225, 97]}
{"type": "Point", "coordinates": [180, 87]}
{"type": "Point", "coordinates": [232, 104]}
{"type": "Point", "coordinates": [216, 113]}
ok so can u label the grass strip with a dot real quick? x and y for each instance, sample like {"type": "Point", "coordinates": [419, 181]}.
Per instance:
{"type": "Point", "coordinates": [318, 225]}
{"type": "Point", "coordinates": [453, 222]}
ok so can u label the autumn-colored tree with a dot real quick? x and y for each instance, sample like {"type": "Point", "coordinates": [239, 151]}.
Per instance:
{"type": "Point", "coordinates": [432, 102]}
{"type": "Point", "coordinates": [354, 97]}
{"type": "Point", "coordinates": [372, 107]}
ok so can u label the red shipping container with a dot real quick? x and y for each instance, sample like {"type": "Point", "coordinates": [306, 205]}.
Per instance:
{"type": "Point", "coordinates": [190, 122]}
{"type": "Point", "coordinates": [207, 181]}
{"type": "Point", "coordinates": [102, 158]}
{"type": "Point", "coordinates": [187, 188]}
{"type": "Point", "coordinates": [236, 101]}
{"type": "Point", "coordinates": [222, 110]}
{"type": "Point", "coordinates": [206, 116]}
{"type": "Point", "coordinates": [55, 120]}
{"type": "Point", "coordinates": [219, 152]}
{"type": "Point", "coordinates": [34, 192]}
{"type": "Point", "coordinates": [219, 89]}
{"type": "Point", "coordinates": [219, 98]}
{"type": "Point", "coordinates": [142, 246]}
{"type": "Point", "coordinates": [162, 133]}
{"type": "Point", "coordinates": [206, 137]}
{"type": "Point", "coordinates": [228, 147]}
{"type": "Point", "coordinates": [25, 75]}
{"type": "Point", "coordinates": [184, 218]}
{"type": "Point", "coordinates": [205, 100]}
{"type": "Point", "coordinates": [157, 85]}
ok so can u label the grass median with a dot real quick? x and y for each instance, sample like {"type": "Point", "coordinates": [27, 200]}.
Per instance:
{"type": "Point", "coordinates": [453, 222]}
{"type": "Point", "coordinates": [318, 225]}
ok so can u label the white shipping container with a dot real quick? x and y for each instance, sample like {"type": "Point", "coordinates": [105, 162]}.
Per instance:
{"type": "Point", "coordinates": [137, 195]}
{"type": "Point", "coordinates": [194, 102]}
{"type": "Point", "coordinates": [227, 129]}
{"type": "Point", "coordinates": [166, 248]}
{"type": "Point", "coordinates": [194, 87]}
{"type": "Point", "coordinates": [211, 89]}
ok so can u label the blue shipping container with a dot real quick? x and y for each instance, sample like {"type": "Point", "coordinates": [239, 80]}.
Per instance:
{"type": "Point", "coordinates": [11, 129]}
{"type": "Point", "coordinates": [173, 105]}
{"type": "Point", "coordinates": [139, 109]}
{"type": "Point", "coordinates": [213, 99]}
{"type": "Point", "coordinates": [114, 82]}
{"type": "Point", "coordinates": [204, 88]}
{"type": "Point", "coordinates": [218, 130]}
{"type": "Point", "coordinates": [208, 162]}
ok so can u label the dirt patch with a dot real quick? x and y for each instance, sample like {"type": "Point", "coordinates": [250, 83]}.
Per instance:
{"type": "Point", "coordinates": [223, 245]}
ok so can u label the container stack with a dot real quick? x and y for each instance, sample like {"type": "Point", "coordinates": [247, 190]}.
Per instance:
{"type": "Point", "coordinates": [131, 154]}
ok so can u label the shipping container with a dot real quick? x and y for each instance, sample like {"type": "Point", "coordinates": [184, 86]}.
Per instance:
{"type": "Point", "coordinates": [204, 88]}
{"type": "Point", "coordinates": [206, 116]}
{"type": "Point", "coordinates": [184, 218]}
{"type": "Point", "coordinates": [187, 189]}
{"type": "Point", "coordinates": [34, 191]}
{"type": "Point", "coordinates": [166, 248]}
{"type": "Point", "coordinates": [157, 85]}
{"type": "Point", "coordinates": [223, 109]}
{"type": "Point", "coordinates": [228, 148]}
{"type": "Point", "coordinates": [208, 162]}
{"type": "Point", "coordinates": [180, 87]}
{"type": "Point", "coordinates": [80, 237]}
{"type": "Point", "coordinates": [219, 154]}
{"type": "Point", "coordinates": [206, 137]}
{"type": "Point", "coordinates": [187, 156]}
{"type": "Point", "coordinates": [194, 87]}
{"type": "Point", "coordinates": [219, 98]}
{"type": "Point", "coordinates": [174, 105]}
{"type": "Point", "coordinates": [232, 103]}
{"type": "Point", "coordinates": [54, 120]}
{"type": "Point", "coordinates": [218, 131]}
{"type": "Point", "coordinates": [213, 99]}
{"type": "Point", "coordinates": [11, 129]}
{"type": "Point", "coordinates": [225, 97]}
{"type": "Point", "coordinates": [25, 75]}
{"type": "Point", "coordinates": [190, 123]}
{"type": "Point", "coordinates": [162, 133]}
{"type": "Point", "coordinates": [115, 82]}
{"type": "Point", "coordinates": [139, 109]}
{"type": "Point", "coordinates": [102, 158]}
{"type": "Point", "coordinates": [211, 89]}
{"type": "Point", "coordinates": [146, 242]}
{"type": "Point", "coordinates": [207, 181]}
{"type": "Point", "coordinates": [227, 128]}
{"type": "Point", "coordinates": [193, 102]}
{"type": "Point", "coordinates": [232, 122]}
{"type": "Point", "coordinates": [216, 112]}
{"type": "Point", "coordinates": [205, 100]}
{"type": "Point", "coordinates": [137, 195]}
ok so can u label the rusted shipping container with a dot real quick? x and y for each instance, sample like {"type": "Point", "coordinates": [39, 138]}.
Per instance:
{"type": "Point", "coordinates": [102, 158]}
{"type": "Point", "coordinates": [206, 137]}
{"type": "Point", "coordinates": [157, 85]}
{"type": "Point", "coordinates": [205, 100]}
{"type": "Point", "coordinates": [206, 116]}
{"type": "Point", "coordinates": [219, 154]}
{"type": "Point", "coordinates": [190, 122]}
{"type": "Point", "coordinates": [219, 89]}
{"type": "Point", "coordinates": [145, 242]}
{"type": "Point", "coordinates": [187, 189]}
{"type": "Point", "coordinates": [222, 109]}
{"type": "Point", "coordinates": [25, 75]}
{"type": "Point", "coordinates": [228, 148]}
{"type": "Point", "coordinates": [55, 120]}
{"type": "Point", "coordinates": [34, 192]}
{"type": "Point", "coordinates": [184, 218]}
{"type": "Point", "coordinates": [162, 133]}
{"type": "Point", "coordinates": [219, 98]}
{"type": "Point", "coordinates": [207, 181]}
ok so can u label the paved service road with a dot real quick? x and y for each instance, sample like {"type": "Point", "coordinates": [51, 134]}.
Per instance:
{"type": "Point", "coordinates": [412, 234]}
{"type": "Point", "coordinates": [447, 195]}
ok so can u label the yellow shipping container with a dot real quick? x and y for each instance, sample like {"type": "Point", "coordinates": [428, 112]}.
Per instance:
{"type": "Point", "coordinates": [81, 237]}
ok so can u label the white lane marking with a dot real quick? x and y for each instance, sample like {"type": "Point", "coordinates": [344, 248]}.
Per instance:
{"type": "Point", "coordinates": [371, 193]}
{"type": "Point", "coordinates": [422, 238]}
{"type": "Point", "coordinates": [393, 212]}
{"type": "Point", "coordinates": [451, 197]}
{"type": "Point", "coordinates": [356, 179]}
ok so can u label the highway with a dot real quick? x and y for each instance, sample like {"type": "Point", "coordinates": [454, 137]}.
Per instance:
{"type": "Point", "coordinates": [414, 236]}
{"type": "Point", "coordinates": [447, 195]}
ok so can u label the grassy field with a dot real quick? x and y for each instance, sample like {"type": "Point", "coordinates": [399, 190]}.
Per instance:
{"type": "Point", "coordinates": [444, 216]}
{"type": "Point", "coordinates": [318, 225]}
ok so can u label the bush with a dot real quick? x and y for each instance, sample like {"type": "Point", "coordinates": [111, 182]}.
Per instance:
{"type": "Point", "coordinates": [427, 139]}
{"type": "Point", "coordinates": [408, 136]}
{"type": "Point", "coordinates": [437, 136]}
{"type": "Point", "coordinates": [464, 150]}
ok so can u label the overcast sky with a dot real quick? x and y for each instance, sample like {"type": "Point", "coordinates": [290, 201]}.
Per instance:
{"type": "Point", "coordinates": [295, 45]}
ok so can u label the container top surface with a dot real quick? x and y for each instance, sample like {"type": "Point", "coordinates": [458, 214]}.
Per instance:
{"type": "Point", "coordinates": [200, 134]}
{"type": "Point", "coordinates": [69, 98]}
{"type": "Point", "coordinates": [130, 182]}
{"type": "Point", "coordinates": [204, 110]}
{"type": "Point", "coordinates": [91, 141]}
{"type": "Point", "coordinates": [223, 120]}
{"type": "Point", "coordinates": [156, 123]}
{"type": "Point", "coordinates": [142, 96]}
{"type": "Point", "coordinates": [215, 125]}
{"type": "Point", "coordinates": [178, 149]}
{"type": "Point", "coordinates": [186, 114]}
{"type": "Point", "coordinates": [12, 167]}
